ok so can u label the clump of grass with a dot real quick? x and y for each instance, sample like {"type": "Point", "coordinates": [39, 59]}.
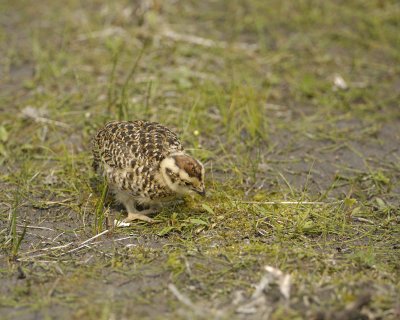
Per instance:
{"type": "Point", "coordinates": [4, 134]}
{"type": "Point", "coordinates": [118, 95]}
{"type": "Point", "coordinates": [13, 236]}
{"type": "Point", "coordinates": [100, 217]}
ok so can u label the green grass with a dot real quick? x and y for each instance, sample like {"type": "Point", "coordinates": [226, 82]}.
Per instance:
{"type": "Point", "coordinates": [249, 87]}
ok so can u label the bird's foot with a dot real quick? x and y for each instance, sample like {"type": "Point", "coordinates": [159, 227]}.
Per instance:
{"type": "Point", "coordinates": [138, 216]}
{"type": "Point", "coordinates": [134, 216]}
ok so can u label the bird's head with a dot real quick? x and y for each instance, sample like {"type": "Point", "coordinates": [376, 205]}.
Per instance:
{"type": "Point", "coordinates": [183, 174]}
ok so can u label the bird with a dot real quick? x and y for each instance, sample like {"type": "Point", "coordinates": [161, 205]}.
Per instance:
{"type": "Point", "coordinates": [145, 166]}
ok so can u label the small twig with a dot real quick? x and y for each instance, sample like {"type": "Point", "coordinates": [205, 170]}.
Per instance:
{"type": "Point", "coordinates": [84, 243]}
{"type": "Point", "coordinates": [57, 236]}
{"type": "Point", "coordinates": [124, 238]}
{"type": "Point", "coordinates": [88, 259]}
{"type": "Point", "coordinates": [47, 249]}
{"type": "Point", "coordinates": [359, 219]}
{"type": "Point", "coordinates": [95, 237]}
{"type": "Point", "coordinates": [35, 227]}
{"type": "Point", "coordinates": [81, 245]}
{"type": "Point", "coordinates": [52, 122]}
{"type": "Point", "coordinates": [76, 249]}
{"type": "Point", "coordinates": [56, 202]}
{"type": "Point", "coordinates": [204, 42]}
{"type": "Point", "coordinates": [38, 116]}
{"type": "Point", "coordinates": [193, 39]}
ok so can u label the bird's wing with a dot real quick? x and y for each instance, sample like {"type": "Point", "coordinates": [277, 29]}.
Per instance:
{"type": "Point", "coordinates": [128, 144]}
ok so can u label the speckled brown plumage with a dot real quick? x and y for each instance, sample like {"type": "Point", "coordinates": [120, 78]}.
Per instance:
{"type": "Point", "coordinates": [145, 164]}
{"type": "Point", "coordinates": [129, 154]}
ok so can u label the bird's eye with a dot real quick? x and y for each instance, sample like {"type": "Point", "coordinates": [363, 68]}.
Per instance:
{"type": "Point", "coordinates": [187, 183]}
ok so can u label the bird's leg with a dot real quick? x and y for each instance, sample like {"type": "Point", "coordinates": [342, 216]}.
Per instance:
{"type": "Point", "coordinates": [134, 214]}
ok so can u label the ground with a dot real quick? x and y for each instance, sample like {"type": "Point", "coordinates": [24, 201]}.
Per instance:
{"type": "Point", "coordinates": [293, 106]}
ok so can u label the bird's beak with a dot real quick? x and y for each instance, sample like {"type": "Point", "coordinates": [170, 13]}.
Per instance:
{"type": "Point", "coordinates": [202, 192]}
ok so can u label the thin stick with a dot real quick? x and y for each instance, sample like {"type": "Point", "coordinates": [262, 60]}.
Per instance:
{"type": "Point", "coordinates": [124, 238]}
{"type": "Point", "coordinates": [204, 42]}
{"type": "Point", "coordinates": [84, 243]}
{"type": "Point", "coordinates": [56, 202]}
{"type": "Point", "coordinates": [48, 249]}
{"type": "Point", "coordinates": [77, 248]}
{"type": "Point", "coordinates": [360, 219]}
{"type": "Point", "coordinates": [70, 243]}
{"type": "Point", "coordinates": [35, 227]}
{"type": "Point", "coordinates": [95, 237]}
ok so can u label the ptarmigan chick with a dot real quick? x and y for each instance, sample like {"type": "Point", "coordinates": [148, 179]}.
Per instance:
{"type": "Point", "coordinates": [145, 164]}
